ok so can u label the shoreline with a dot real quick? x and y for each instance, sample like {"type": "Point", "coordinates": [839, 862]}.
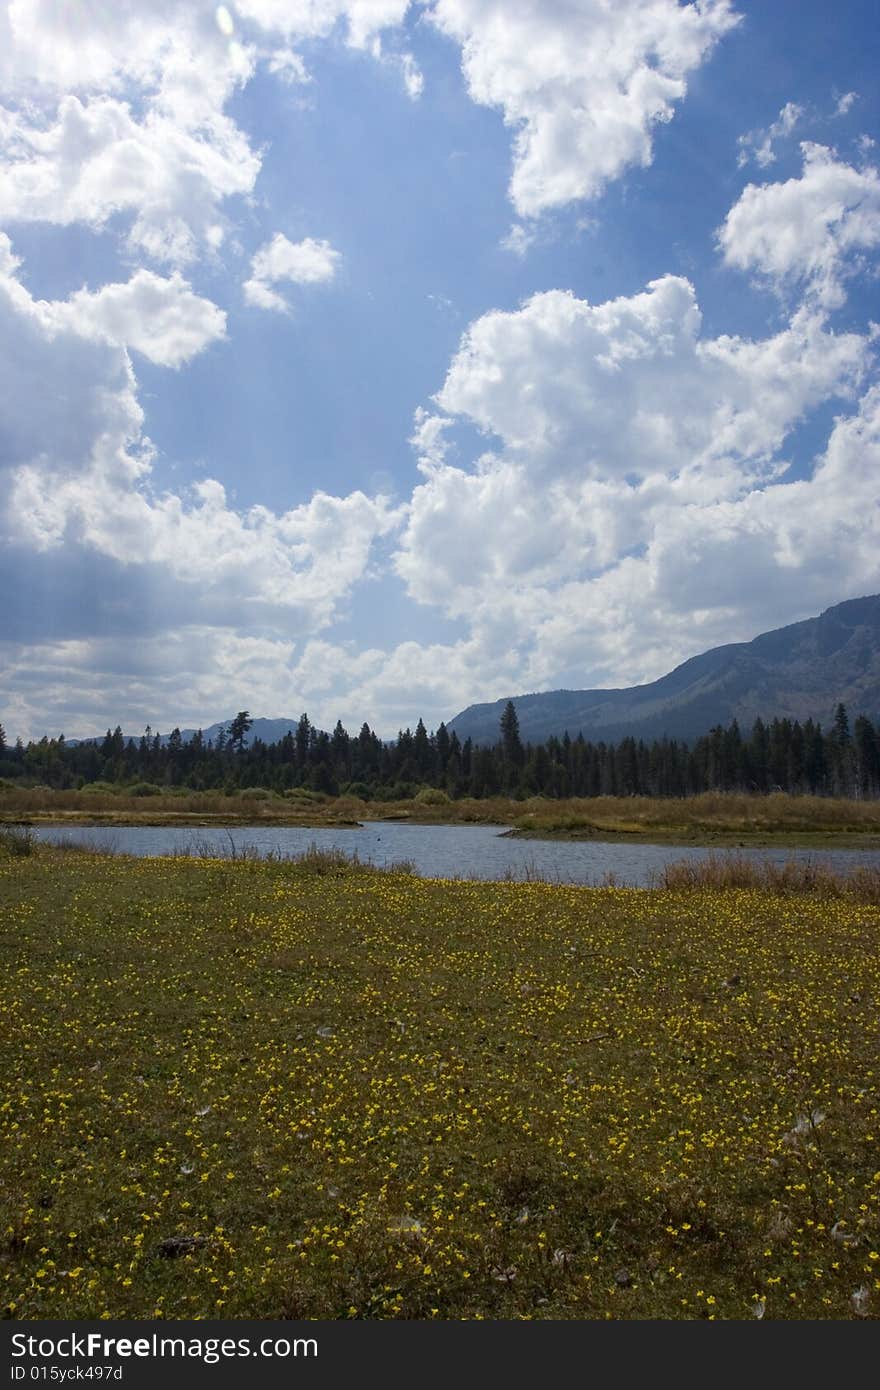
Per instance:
{"type": "Point", "coordinates": [708, 838]}
{"type": "Point", "coordinates": [193, 820]}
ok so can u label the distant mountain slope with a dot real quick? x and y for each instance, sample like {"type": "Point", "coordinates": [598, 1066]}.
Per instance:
{"type": "Point", "coordinates": [269, 730]}
{"type": "Point", "coordinates": [797, 672]}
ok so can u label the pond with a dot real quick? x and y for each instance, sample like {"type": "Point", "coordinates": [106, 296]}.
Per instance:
{"type": "Point", "coordinates": [436, 851]}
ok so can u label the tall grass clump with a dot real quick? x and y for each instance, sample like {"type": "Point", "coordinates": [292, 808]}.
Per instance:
{"type": "Point", "coordinates": [16, 840]}
{"type": "Point", "coordinates": [794, 877]}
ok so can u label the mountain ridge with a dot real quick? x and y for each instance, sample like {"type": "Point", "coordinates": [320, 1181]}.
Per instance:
{"type": "Point", "coordinates": [800, 671]}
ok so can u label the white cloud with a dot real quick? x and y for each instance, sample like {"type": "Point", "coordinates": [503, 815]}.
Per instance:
{"type": "Point", "coordinates": [628, 387]}
{"type": "Point", "coordinates": [302, 562]}
{"type": "Point", "coordinates": [119, 109]}
{"type": "Point", "coordinates": [392, 688]}
{"type": "Point", "coordinates": [63, 397]}
{"type": "Point", "coordinates": [809, 231]}
{"type": "Point", "coordinates": [364, 20]}
{"type": "Point", "coordinates": [289, 66]}
{"type": "Point", "coordinates": [710, 573]}
{"type": "Point", "coordinates": [95, 160]}
{"type": "Point", "coordinates": [79, 465]}
{"type": "Point", "coordinates": [583, 85]}
{"type": "Point", "coordinates": [88, 46]}
{"type": "Point", "coordinates": [518, 240]}
{"type": "Point", "coordinates": [81, 687]}
{"type": "Point", "coordinates": [631, 510]}
{"type": "Point", "coordinates": [413, 77]}
{"type": "Point", "coordinates": [758, 144]}
{"type": "Point", "coordinates": [307, 262]}
{"type": "Point", "coordinates": [161, 318]}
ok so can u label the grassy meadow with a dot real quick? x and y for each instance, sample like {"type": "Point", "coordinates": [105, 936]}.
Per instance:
{"type": "Point", "coordinates": [316, 1090]}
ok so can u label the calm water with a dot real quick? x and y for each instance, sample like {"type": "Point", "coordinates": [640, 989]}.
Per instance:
{"type": "Point", "coordinates": [437, 851]}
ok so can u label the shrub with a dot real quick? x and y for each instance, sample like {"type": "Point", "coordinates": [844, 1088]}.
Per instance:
{"type": "Point", "coordinates": [144, 789]}
{"type": "Point", "coordinates": [404, 791]}
{"type": "Point", "coordinates": [358, 789]}
{"type": "Point", "coordinates": [432, 796]}
{"type": "Point", "coordinates": [384, 794]}
{"type": "Point", "coordinates": [100, 789]}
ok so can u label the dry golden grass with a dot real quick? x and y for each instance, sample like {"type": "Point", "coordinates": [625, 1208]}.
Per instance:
{"type": "Point", "coordinates": [720, 818]}
{"type": "Point", "coordinates": [796, 877]}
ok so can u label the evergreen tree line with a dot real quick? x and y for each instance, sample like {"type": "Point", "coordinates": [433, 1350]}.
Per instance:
{"type": "Point", "coordinates": [782, 755]}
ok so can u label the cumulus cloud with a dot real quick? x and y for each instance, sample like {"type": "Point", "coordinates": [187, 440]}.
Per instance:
{"type": "Point", "coordinates": [120, 109]}
{"type": "Point", "coordinates": [363, 20]}
{"type": "Point", "coordinates": [307, 262]}
{"type": "Point", "coordinates": [758, 145]}
{"type": "Point", "coordinates": [630, 507]}
{"type": "Point", "coordinates": [706, 573]}
{"type": "Point", "coordinates": [81, 687]}
{"type": "Point", "coordinates": [629, 387]}
{"type": "Point", "coordinates": [303, 561]}
{"type": "Point", "coordinates": [161, 318]}
{"type": "Point", "coordinates": [63, 397]}
{"type": "Point", "coordinates": [79, 465]}
{"type": "Point", "coordinates": [583, 85]}
{"type": "Point", "coordinates": [93, 160]}
{"type": "Point", "coordinates": [810, 231]}
{"type": "Point", "coordinates": [87, 46]}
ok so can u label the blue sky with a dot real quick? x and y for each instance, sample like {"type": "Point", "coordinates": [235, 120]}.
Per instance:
{"type": "Point", "coordinates": [373, 358]}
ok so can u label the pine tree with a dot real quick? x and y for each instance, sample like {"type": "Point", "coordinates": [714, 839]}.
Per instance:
{"type": "Point", "coordinates": [238, 729]}
{"type": "Point", "coordinates": [423, 753]}
{"type": "Point", "coordinates": [340, 749]}
{"type": "Point", "coordinates": [842, 758]}
{"type": "Point", "coordinates": [303, 739]}
{"type": "Point", "coordinates": [513, 749]}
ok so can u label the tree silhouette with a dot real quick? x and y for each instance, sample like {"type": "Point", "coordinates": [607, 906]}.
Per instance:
{"type": "Point", "coordinates": [513, 749]}
{"type": "Point", "coordinates": [238, 729]}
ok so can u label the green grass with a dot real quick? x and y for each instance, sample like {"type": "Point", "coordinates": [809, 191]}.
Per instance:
{"type": "Point", "coordinates": [320, 1091]}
